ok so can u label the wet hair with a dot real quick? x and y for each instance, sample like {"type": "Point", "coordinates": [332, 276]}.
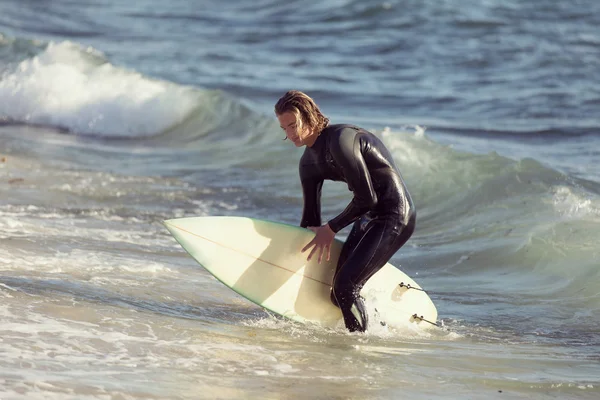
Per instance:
{"type": "Point", "coordinates": [304, 108]}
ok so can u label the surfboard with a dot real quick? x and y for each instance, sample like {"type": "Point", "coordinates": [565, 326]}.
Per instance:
{"type": "Point", "coordinates": [261, 260]}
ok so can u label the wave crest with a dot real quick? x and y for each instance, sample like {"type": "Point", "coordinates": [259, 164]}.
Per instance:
{"type": "Point", "coordinates": [76, 88]}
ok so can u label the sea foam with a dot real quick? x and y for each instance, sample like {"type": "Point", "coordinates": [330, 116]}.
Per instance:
{"type": "Point", "coordinates": [76, 88]}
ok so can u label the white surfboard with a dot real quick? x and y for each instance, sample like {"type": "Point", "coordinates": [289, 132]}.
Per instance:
{"type": "Point", "coordinates": [261, 260]}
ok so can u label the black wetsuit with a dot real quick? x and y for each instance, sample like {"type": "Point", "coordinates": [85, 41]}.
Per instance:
{"type": "Point", "coordinates": [381, 209]}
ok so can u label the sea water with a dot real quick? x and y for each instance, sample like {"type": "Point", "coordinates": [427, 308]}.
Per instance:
{"type": "Point", "coordinates": [115, 116]}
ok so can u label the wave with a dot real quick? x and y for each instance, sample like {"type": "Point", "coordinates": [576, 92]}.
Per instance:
{"type": "Point", "coordinates": [516, 219]}
{"type": "Point", "coordinates": [76, 88]}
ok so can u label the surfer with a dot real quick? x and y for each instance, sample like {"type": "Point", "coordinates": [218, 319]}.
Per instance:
{"type": "Point", "coordinates": [381, 208]}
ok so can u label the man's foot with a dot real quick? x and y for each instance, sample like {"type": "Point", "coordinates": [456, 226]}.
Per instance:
{"type": "Point", "coordinates": [357, 318]}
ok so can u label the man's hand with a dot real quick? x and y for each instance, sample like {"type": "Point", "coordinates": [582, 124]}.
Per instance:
{"type": "Point", "coordinates": [321, 242]}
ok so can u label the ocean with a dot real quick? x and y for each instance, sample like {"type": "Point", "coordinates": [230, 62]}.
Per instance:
{"type": "Point", "coordinates": [115, 116]}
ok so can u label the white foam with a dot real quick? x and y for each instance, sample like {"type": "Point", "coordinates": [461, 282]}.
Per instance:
{"type": "Point", "coordinates": [98, 266]}
{"type": "Point", "coordinates": [316, 333]}
{"type": "Point", "coordinates": [74, 87]}
{"type": "Point", "coordinates": [571, 205]}
{"type": "Point", "coordinates": [21, 221]}
{"type": "Point", "coordinates": [4, 293]}
{"type": "Point", "coordinates": [411, 147]}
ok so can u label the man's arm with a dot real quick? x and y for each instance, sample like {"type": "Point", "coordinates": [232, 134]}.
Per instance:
{"type": "Point", "coordinates": [347, 154]}
{"type": "Point", "coordinates": [311, 192]}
